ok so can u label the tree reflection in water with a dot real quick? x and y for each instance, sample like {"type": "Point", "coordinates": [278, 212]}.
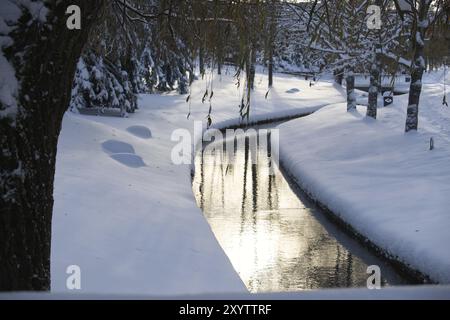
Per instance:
{"type": "Point", "coordinates": [275, 238]}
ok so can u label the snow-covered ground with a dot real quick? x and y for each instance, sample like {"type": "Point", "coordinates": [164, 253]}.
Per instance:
{"type": "Point", "coordinates": [400, 83]}
{"type": "Point", "coordinates": [127, 216]}
{"type": "Point", "coordinates": [386, 184]}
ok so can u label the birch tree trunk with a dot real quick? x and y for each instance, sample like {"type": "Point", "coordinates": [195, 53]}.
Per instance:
{"type": "Point", "coordinates": [44, 56]}
{"type": "Point", "coordinates": [418, 67]}
{"type": "Point", "coordinates": [374, 87]}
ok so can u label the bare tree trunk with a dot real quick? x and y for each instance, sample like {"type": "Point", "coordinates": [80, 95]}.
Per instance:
{"type": "Point", "coordinates": [219, 57]}
{"type": "Point", "coordinates": [339, 76]}
{"type": "Point", "coordinates": [201, 60]}
{"type": "Point", "coordinates": [417, 68]}
{"type": "Point", "coordinates": [270, 67]}
{"type": "Point", "coordinates": [374, 87]}
{"type": "Point", "coordinates": [219, 67]}
{"type": "Point", "coordinates": [252, 68]}
{"type": "Point", "coordinates": [271, 41]}
{"type": "Point", "coordinates": [44, 57]}
{"type": "Point", "coordinates": [351, 98]}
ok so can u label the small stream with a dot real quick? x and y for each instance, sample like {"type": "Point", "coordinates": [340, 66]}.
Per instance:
{"type": "Point", "coordinates": [275, 237]}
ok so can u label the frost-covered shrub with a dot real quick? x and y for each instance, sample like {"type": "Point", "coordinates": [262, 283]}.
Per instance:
{"type": "Point", "coordinates": [99, 83]}
{"type": "Point", "coordinates": [124, 58]}
{"type": "Point", "coordinates": [146, 77]}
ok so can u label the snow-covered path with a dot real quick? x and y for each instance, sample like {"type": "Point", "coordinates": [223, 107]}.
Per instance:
{"type": "Point", "coordinates": [127, 216]}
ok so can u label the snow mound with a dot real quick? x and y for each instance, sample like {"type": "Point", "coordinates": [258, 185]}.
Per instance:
{"type": "Point", "coordinates": [140, 132]}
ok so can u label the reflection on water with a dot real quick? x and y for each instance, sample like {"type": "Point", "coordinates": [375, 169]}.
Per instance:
{"type": "Point", "coordinates": [275, 239]}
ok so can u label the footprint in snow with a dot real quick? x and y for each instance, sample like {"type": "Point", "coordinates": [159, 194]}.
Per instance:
{"type": "Point", "coordinates": [293, 90]}
{"type": "Point", "coordinates": [123, 152]}
{"type": "Point", "coordinates": [128, 159]}
{"type": "Point", "coordinates": [115, 146]}
{"type": "Point", "coordinates": [140, 131]}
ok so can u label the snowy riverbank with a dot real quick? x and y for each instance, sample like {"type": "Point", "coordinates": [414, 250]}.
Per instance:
{"type": "Point", "coordinates": [127, 216]}
{"type": "Point", "coordinates": [386, 184]}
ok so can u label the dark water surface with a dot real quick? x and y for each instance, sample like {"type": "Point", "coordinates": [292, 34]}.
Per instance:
{"type": "Point", "coordinates": [276, 239]}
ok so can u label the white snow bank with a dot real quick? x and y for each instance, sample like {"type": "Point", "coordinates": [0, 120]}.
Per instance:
{"type": "Point", "coordinates": [131, 226]}
{"type": "Point", "coordinates": [127, 216]}
{"type": "Point", "coordinates": [384, 183]}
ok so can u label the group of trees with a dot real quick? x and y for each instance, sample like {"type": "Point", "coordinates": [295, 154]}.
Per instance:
{"type": "Point", "coordinates": [343, 37]}
{"type": "Point", "coordinates": [126, 47]}
{"type": "Point", "coordinates": [131, 50]}
{"type": "Point", "coordinates": [145, 46]}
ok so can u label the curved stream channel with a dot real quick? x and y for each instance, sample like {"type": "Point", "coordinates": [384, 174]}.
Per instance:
{"type": "Point", "coordinates": [275, 237]}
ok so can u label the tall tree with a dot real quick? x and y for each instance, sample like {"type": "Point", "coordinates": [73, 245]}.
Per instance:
{"type": "Point", "coordinates": [338, 33]}
{"type": "Point", "coordinates": [375, 67]}
{"type": "Point", "coordinates": [424, 14]}
{"type": "Point", "coordinates": [272, 14]}
{"type": "Point", "coordinates": [38, 58]}
{"type": "Point", "coordinates": [41, 55]}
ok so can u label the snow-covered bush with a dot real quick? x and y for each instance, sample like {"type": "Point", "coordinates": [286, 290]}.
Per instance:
{"type": "Point", "coordinates": [146, 77]}
{"type": "Point", "coordinates": [124, 58]}
{"type": "Point", "coordinates": [100, 83]}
